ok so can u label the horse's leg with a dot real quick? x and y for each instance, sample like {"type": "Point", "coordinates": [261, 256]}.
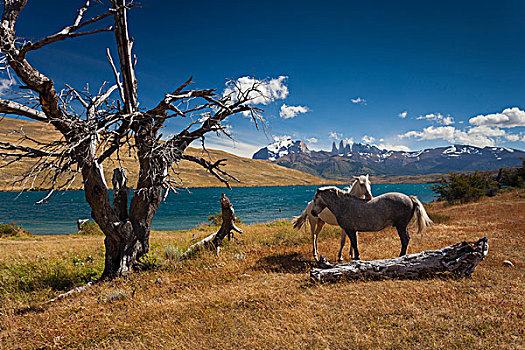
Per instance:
{"type": "Point", "coordinates": [315, 234]}
{"type": "Point", "coordinates": [343, 241]}
{"type": "Point", "coordinates": [405, 238]}
{"type": "Point", "coordinates": [351, 250]}
{"type": "Point", "coordinates": [353, 240]}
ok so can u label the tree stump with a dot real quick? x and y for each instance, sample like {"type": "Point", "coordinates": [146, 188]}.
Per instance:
{"type": "Point", "coordinates": [459, 259]}
{"type": "Point", "coordinates": [214, 240]}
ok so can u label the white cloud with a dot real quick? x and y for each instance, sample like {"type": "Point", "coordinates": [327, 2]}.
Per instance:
{"type": "Point", "coordinates": [266, 91]}
{"type": "Point", "coordinates": [508, 118]}
{"type": "Point", "coordinates": [5, 85]}
{"type": "Point", "coordinates": [473, 136]}
{"type": "Point", "coordinates": [432, 133]}
{"type": "Point", "coordinates": [312, 140]}
{"type": "Point", "coordinates": [391, 147]}
{"type": "Point", "coordinates": [438, 117]}
{"type": "Point", "coordinates": [473, 139]}
{"type": "Point", "coordinates": [403, 115]}
{"type": "Point", "coordinates": [282, 138]}
{"type": "Point", "coordinates": [368, 139]}
{"type": "Point", "coordinates": [349, 141]}
{"type": "Point", "coordinates": [513, 137]}
{"type": "Point", "coordinates": [238, 148]}
{"type": "Point", "coordinates": [335, 135]}
{"type": "Point", "coordinates": [359, 101]}
{"type": "Point", "coordinates": [486, 131]}
{"type": "Point", "coordinates": [288, 112]}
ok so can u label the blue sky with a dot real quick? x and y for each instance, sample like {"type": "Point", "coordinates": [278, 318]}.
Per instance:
{"type": "Point", "coordinates": [402, 75]}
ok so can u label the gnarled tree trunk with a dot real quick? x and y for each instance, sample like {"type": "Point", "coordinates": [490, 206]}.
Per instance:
{"type": "Point", "coordinates": [105, 125]}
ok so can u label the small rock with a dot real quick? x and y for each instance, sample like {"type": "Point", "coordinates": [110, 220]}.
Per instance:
{"type": "Point", "coordinates": [508, 263]}
{"type": "Point", "coordinates": [245, 275]}
{"type": "Point", "coordinates": [158, 281]}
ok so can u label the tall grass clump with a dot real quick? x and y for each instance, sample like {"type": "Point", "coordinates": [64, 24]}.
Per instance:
{"type": "Point", "coordinates": [90, 228]}
{"type": "Point", "coordinates": [172, 253]}
{"type": "Point", "coordinates": [13, 230]}
{"type": "Point", "coordinates": [56, 274]}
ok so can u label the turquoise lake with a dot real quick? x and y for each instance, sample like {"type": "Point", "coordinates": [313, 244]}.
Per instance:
{"type": "Point", "coordinates": [184, 210]}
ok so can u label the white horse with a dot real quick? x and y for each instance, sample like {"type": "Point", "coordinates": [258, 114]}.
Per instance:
{"type": "Point", "coordinates": [361, 188]}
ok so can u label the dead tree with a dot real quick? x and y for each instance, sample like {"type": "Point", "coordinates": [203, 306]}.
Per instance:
{"type": "Point", "coordinates": [459, 259]}
{"type": "Point", "coordinates": [107, 124]}
{"type": "Point", "coordinates": [214, 241]}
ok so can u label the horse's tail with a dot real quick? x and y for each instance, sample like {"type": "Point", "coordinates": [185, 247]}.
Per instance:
{"type": "Point", "coordinates": [423, 220]}
{"type": "Point", "coordinates": [299, 221]}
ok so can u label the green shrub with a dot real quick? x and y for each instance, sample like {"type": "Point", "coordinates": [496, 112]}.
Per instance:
{"type": "Point", "coordinates": [90, 228]}
{"type": "Point", "coordinates": [54, 274]}
{"type": "Point", "coordinates": [462, 188]}
{"type": "Point", "coordinates": [512, 177]}
{"type": "Point", "coordinates": [216, 219]}
{"type": "Point", "coordinates": [172, 253]}
{"type": "Point", "coordinates": [13, 230]}
{"type": "Point", "coordinates": [150, 261]}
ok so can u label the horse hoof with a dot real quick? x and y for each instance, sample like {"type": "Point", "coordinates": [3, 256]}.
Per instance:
{"type": "Point", "coordinates": [356, 258]}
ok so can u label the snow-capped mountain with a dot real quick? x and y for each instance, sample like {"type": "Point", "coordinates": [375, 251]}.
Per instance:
{"type": "Point", "coordinates": [280, 148]}
{"type": "Point", "coordinates": [350, 159]}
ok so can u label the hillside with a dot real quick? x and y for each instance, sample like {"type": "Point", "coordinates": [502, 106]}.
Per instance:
{"type": "Point", "coordinates": [251, 172]}
{"type": "Point", "coordinates": [256, 294]}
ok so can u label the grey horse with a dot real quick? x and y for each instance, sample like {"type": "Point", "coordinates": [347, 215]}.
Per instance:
{"type": "Point", "coordinates": [389, 209]}
{"type": "Point", "coordinates": [361, 188]}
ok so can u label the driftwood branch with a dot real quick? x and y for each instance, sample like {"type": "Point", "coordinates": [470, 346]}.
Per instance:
{"type": "Point", "coordinates": [459, 259]}
{"type": "Point", "coordinates": [214, 240]}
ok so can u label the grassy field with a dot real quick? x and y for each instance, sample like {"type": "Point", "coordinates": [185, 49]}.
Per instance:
{"type": "Point", "coordinates": [257, 292]}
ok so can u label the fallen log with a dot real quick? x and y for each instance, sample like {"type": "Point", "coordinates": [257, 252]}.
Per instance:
{"type": "Point", "coordinates": [459, 259]}
{"type": "Point", "coordinates": [214, 240]}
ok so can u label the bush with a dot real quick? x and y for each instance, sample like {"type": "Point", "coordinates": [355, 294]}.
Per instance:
{"type": "Point", "coordinates": [172, 253]}
{"type": "Point", "coordinates": [150, 261]}
{"type": "Point", "coordinates": [90, 228]}
{"type": "Point", "coordinates": [462, 188]}
{"type": "Point", "coordinates": [512, 177]}
{"type": "Point", "coordinates": [13, 230]}
{"type": "Point", "coordinates": [216, 219]}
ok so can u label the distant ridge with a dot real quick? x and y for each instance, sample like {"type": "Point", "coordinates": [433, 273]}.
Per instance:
{"type": "Point", "coordinates": [347, 160]}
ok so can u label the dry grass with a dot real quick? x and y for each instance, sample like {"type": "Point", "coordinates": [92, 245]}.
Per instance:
{"type": "Point", "coordinates": [257, 293]}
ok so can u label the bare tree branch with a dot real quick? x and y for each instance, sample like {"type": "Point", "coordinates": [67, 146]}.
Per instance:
{"type": "Point", "coordinates": [69, 31]}
{"type": "Point", "coordinates": [12, 107]}
{"type": "Point", "coordinates": [213, 168]}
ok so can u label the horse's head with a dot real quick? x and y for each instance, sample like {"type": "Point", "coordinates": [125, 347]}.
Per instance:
{"type": "Point", "coordinates": [318, 203]}
{"type": "Point", "coordinates": [362, 187]}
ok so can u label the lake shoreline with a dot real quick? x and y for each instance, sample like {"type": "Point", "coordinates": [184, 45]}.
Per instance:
{"type": "Point", "coordinates": [185, 210]}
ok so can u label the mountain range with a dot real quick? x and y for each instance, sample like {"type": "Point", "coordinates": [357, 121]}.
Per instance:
{"type": "Point", "coordinates": [349, 159]}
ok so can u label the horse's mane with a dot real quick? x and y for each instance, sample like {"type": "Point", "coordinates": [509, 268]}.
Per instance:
{"type": "Point", "coordinates": [337, 190]}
